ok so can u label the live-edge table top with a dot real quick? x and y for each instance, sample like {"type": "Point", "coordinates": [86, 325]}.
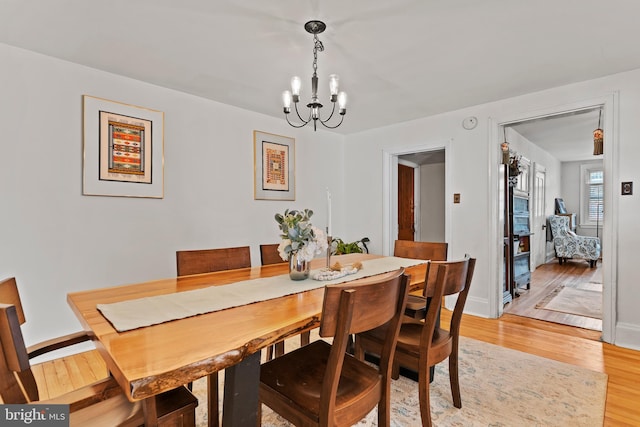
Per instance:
{"type": "Point", "coordinates": [150, 360]}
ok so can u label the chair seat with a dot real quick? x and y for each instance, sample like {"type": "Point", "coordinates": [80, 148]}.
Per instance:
{"type": "Point", "coordinates": [297, 376]}
{"type": "Point", "coordinates": [416, 307]}
{"type": "Point", "coordinates": [409, 341]}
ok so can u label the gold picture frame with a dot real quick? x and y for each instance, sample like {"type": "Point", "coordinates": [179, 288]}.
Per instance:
{"type": "Point", "coordinates": [123, 149]}
{"type": "Point", "coordinates": [273, 166]}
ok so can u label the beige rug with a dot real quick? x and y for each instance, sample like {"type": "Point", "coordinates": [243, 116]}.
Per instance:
{"type": "Point", "coordinates": [579, 301]}
{"type": "Point", "coordinates": [499, 386]}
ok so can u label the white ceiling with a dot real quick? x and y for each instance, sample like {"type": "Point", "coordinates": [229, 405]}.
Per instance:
{"type": "Point", "coordinates": [569, 137]}
{"type": "Point", "coordinates": [397, 60]}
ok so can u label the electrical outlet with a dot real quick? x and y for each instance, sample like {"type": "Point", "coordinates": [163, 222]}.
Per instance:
{"type": "Point", "coordinates": [627, 188]}
{"type": "Point", "coordinates": [456, 197]}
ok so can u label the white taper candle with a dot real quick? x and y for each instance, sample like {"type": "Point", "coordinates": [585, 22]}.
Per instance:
{"type": "Point", "coordinates": [329, 213]}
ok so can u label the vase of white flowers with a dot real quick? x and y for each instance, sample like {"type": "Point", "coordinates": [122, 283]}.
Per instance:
{"type": "Point", "coordinates": [301, 241]}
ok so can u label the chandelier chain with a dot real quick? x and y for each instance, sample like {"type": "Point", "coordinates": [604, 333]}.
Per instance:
{"type": "Point", "coordinates": [317, 46]}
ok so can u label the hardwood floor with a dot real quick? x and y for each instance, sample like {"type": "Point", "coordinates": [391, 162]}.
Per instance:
{"type": "Point", "coordinates": [548, 277]}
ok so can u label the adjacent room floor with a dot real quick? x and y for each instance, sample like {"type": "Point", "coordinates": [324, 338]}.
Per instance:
{"type": "Point", "coordinates": [569, 294]}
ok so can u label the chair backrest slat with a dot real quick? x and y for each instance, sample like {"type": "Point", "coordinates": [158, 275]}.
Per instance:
{"type": "Point", "coordinates": [14, 357]}
{"type": "Point", "coordinates": [9, 295]}
{"type": "Point", "coordinates": [269, 254]}
{"type": "Point", "coordinates": [434, 251]}
{"type": "Point", "coordinates": [210, 260]}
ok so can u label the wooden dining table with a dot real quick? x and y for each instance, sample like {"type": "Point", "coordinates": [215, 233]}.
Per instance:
{"type": "Point", "coordinates": [150, 360]}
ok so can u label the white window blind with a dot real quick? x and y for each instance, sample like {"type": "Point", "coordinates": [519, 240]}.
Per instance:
{"type": "Point", "coordinates": [591, 195]}
{"type": "Point", "coordinates": [595, 181]}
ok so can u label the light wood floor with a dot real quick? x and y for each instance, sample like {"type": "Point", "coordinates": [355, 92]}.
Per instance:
{"type": "Point", "coordinates": [550, 340]}
{"type": "Point", "coordinates": [548, 277]}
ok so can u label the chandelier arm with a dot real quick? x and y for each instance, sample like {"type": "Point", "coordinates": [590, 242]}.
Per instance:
{"type": "Point", "coordinates": [286, 116]}
{"type": "Point", "coordinates": [298, 113]}
{"type": "Point", "coordinates": [330, 115]}
{"type": "Point", "coordinates": [333, 127]}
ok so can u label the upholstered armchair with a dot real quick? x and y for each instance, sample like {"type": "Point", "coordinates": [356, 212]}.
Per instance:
{"type": "Point", "coordinates": [570, 245]}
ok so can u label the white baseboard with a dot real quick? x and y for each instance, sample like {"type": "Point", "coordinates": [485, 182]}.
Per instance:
{"type": "Point", "coordinates": [627, 336]}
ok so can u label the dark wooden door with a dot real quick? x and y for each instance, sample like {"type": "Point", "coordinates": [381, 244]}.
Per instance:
{"type": "Point", "coordinates": [406, 228]}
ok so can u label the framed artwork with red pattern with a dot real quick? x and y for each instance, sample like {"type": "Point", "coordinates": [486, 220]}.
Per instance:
{"type": "Point", "coordinates": [123, 149]}
{"type": "Point", "coordinates": [273, 166]}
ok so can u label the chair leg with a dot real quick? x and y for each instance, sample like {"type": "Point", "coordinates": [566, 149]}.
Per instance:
{"type": "Point", "coordinates": [395, 370]}
{"type": "Point", "coordinates": [212, 400]}
{"type": "Point", "coordinates": [423, 396]}
{"type": "Point", "coordinates": [358, 351]}
{"type": "Point", "coordinates": [384, 408]}
{"type": "Point", "coordinates": [270, 352]}
{"type": "Point", "coordinates": [279, 348]}
{"type": "Point", "coordinates": [305, 337]}
{"type": "Point", "coordinates": [453, 379]}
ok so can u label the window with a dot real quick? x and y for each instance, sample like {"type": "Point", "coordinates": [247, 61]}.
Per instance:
{"type": "Point", "coordinates": [592, 196]}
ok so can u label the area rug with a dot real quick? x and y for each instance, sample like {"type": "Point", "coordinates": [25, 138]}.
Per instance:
{"type": "Point", "coordinates": [499, 387]}
{"type": "Point", "coordinates": [582, 302]}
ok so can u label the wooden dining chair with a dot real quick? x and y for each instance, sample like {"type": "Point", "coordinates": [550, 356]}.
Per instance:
{"type": "Point", "coordinates": [210, 260]}
{"type": "Point", "coordinates": [432, 251]}
{"type": "Point", "coordinates": [423, 344]}
{"type": "Point", "coordinates": [269, 255]}
{"type": "Point", "coordinates": [207, 261]}
{"type": "Point", "coordinates": [321, 384]}
{"type": "Point", "coordinates": [101, 403]}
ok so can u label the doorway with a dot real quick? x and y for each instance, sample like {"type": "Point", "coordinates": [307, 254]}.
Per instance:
{"type": "Point", "coordinates": [421, 196]}
{"type": "Point", "coordinates": [608, 238]}
{"type": "Point", "coordinates": [430, 165]}
{"type": "Point", "coordinates": [570, 295]}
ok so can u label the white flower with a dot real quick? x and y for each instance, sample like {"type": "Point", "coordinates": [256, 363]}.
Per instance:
{"type": "Point", "coordinates": [299, 236]}
{"type": "Point", "coordinates": [317, 245]}
{"type": "Point", "coordinates": [283, 244]}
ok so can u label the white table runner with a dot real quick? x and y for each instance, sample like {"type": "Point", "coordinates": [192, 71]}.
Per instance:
{"type": "Point", "coordinates": [137, 313]}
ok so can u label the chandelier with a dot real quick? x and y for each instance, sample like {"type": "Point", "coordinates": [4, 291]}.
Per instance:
{"type": "Point", "coordinates": [293, 95]}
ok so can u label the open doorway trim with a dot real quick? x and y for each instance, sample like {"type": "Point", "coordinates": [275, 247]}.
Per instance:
{"type": "Point", "coordinates": [609, 104]}
{"type": "Point", "coordinates": [390, 191]}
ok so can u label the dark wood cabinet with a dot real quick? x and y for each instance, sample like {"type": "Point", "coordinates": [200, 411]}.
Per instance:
{"type": "Point", "coordinates": [521, 237]}
{"type": "Point", "coordinates": [517, 237]}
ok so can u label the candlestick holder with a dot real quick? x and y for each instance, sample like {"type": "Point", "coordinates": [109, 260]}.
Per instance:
{"type": "Point", "coordinates": [329, 241]}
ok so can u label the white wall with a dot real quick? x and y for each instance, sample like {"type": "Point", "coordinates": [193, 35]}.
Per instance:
{"type": "Point", "coordinates": [432, 205]}
{"type": "Point", "coordinates": [474, 156]}
{"type": "Point", "coordinates": [54, 240]}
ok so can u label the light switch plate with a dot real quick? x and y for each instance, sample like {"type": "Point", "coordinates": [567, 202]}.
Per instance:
{"type": "Point", "coordinates": [456, 198]}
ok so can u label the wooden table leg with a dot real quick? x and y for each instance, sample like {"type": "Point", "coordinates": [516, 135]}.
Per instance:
{"type": "Point", "coordinates": [241, 384]}
{"type": "Point", "coordinates": [150, 412]}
